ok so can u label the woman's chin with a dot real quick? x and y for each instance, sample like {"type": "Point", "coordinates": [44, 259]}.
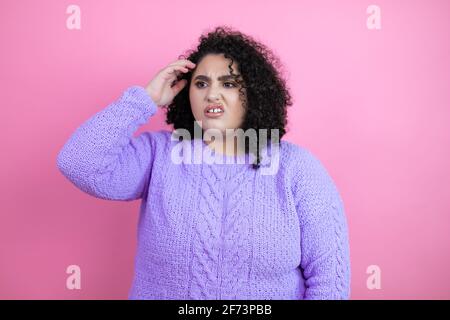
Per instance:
{"type": "Point", "coordinates": [213, 128]}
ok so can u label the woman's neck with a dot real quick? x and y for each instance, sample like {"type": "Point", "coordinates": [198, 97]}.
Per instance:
{"type": "Point", "coordinates": [226, 146]}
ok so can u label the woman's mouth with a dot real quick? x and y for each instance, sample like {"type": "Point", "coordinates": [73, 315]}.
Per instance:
{"type": "Point", "coordinates": [214, 111]}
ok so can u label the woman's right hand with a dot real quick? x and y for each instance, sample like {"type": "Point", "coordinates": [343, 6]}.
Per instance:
{"type": "Point", "coordinates": [161, 88]}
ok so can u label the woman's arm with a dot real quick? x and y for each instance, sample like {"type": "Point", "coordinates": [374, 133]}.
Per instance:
{"type": "Point", "coordinates": [325, 247]}
{"type": "Point", "coordinates": [103, 159]}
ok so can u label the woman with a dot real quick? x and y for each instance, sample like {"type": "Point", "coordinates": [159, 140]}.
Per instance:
{"type": "Point", "coordinates": [217, 229]}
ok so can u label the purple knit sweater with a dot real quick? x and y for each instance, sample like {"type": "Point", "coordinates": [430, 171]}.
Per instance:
{"type": "Point", "coordinates": [211, 230]}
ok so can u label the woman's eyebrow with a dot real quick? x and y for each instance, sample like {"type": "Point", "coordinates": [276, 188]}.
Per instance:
{"type": "Point", "coordinates": [221, 78]}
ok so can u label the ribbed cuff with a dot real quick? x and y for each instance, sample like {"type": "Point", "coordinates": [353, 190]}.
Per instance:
{"type": "Point", "coordinates": [140, 95]}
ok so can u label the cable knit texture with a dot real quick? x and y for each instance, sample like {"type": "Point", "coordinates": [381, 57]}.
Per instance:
{"type": "Point", "coordinates": [214, 230]}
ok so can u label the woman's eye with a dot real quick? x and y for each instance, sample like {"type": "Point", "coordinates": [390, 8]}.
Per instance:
{"type": "Point", "coordinates": [197, 83]}
{"type": "Point", "coordinates": [225, 83]}
{"type": "Point", "coordinates": [232, 84]}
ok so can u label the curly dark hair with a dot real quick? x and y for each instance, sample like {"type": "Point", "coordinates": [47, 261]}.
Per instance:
{"type": "Point", "coordinates": [267, 96]}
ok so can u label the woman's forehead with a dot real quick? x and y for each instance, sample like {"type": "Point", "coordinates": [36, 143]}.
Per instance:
{"type": "Point", "coordinates": [216, 64]}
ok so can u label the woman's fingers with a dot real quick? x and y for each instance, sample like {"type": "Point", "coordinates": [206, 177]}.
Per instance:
{"type": "Point", "coordinates": [169, 77]}
{"type": "Point", "coordinates": [176, 68]}
{"type": "Point", "coordinates": [174, 71]}
{"type": "Point", "coordinates": [183, 62]}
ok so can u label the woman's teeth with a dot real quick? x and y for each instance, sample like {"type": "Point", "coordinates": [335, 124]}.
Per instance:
{"type": "Point", "coordinates": [214, 111]}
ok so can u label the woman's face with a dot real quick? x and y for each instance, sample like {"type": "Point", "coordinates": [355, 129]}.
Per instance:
{"type": "Point", "coordinates": [210, 86]}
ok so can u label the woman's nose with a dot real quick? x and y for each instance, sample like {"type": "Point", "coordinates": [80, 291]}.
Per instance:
{"type": "Point", "coordinates": [213, 97]}
{"type": "Point", "coordinates": [214, 93]}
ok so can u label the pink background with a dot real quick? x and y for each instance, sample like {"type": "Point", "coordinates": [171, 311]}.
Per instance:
{"type": "Point", "coordinates": [372, 105]}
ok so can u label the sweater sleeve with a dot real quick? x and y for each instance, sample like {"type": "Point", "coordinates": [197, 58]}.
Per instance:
{"type": "Point", "coordinates": [103, 158]}
{"type": "Point", "coordinates": [325, 250]}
